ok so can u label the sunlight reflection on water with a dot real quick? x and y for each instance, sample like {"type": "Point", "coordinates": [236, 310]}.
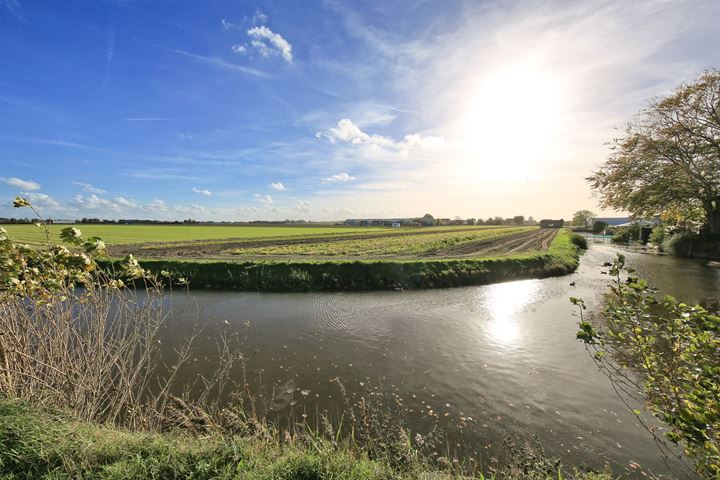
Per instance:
{"type": "Point", "coordinates": [504, 301]}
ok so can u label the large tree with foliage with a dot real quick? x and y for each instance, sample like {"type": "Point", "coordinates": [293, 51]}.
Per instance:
{"type": "Point", "coordinates": [668, 161]}
{"type": "Point", "coordinates": [582, 218]}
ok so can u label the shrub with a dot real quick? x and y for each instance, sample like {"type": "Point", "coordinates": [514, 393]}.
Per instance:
{"type": "Point", "coordinates": [657, 236]}
{"type": "Point", "coordinates": [579, 241]}
{"type": "Point", "coordinates": [675, 347]}
{"type": "Point", "coordinates": [692, 245]}
{"type": "Point", "coordinates": [77, 337]}
{"type": "Point", "coordinates": [626, 234]}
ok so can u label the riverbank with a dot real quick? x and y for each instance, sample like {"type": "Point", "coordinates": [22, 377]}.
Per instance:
{"type": "Point", "coordinates": [560, 258]}
{"type": "Point", "coordinates": [45, 443]}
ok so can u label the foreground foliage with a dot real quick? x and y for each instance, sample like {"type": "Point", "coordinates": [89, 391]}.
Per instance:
{"type": "Point", "coordinates": [675, 347]}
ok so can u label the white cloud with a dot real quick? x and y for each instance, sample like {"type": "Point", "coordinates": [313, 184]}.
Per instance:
{"type": "Point", "coordinates": [23, 184]}
{"type": "Point", "coordinates": [269, 43]}
{"type": "Point", "coordinates": [241, 49]}
{"type": "Point", "coordinates": [248, 209]}
{"type": "Point", "coordinates": [89, 188]}
{"type": "Point", "coordinates": [349, 132]}
{"type": "Point", "coordinates": [193, 208]}
{"type": "Point", "coordinates": [207, 193]}
{"type": "Point", "coordinates": [94, 202]}
{"type": "Point", "coordinates": [157, 205]}
{"type": "Point", "coordinates": [277, 186]}
{"type": "Point", "coordinates": [41, 200]}
{"type": "Point", "coordinates": [264, 199]}
{"type": "Point", "coordinates": [127, 203]}
{"type": "Point", "coordinates": [339, 177]}
{"type": "Point", "coordinates": [303, 206]}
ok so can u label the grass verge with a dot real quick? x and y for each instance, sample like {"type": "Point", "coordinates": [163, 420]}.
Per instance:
{"type": "Point", "coordinates": [561, 258]}
{"type": "Point", "coordinates": [44, 443]}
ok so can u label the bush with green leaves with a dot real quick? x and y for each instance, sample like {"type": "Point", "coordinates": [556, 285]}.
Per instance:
{"type": "Point", "coordinates": [675, 349]}
{"type": "Point", "coordinates": [579, 241]}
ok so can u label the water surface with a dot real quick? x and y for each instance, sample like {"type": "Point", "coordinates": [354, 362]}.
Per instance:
{"type": "Point", "coordinates": [490, 361]}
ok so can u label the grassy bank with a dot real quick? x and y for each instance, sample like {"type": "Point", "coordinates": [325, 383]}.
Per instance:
{"type": "Point", "coordinates": [561, 258]}
{"type": "Point", "coordinates": [42, 443]}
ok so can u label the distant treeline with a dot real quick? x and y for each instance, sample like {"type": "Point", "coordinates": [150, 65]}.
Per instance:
{"type": "Point", "coordinates": [189, 221]}
{"type": "Point", "coordinates": [517, 220]}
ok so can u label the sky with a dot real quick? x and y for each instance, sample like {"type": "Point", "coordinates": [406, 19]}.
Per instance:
{"type": "Point", "coordinates": [324, 110]}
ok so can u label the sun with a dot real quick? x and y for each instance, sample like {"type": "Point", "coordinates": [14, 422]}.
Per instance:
{"type": "Point", "coordinates": [510, 121]}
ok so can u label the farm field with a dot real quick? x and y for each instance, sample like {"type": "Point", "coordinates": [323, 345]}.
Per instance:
{"type": "Point", "coordinates": [288, 243]}
{"type": "Point", "coordinates": [387, 244]}
{"type": "Point", "coordinates": [137, 234]}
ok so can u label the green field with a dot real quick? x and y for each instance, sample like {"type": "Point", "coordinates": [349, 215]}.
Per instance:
{"type": "Point", "coordinates": [131, 234]}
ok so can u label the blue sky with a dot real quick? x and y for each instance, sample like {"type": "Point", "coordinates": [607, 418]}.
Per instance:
{"type": "Point", "coordinates": [326, 110]}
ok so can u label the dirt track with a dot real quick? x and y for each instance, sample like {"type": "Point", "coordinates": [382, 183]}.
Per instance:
{"type": "Point", "coordinates": [516, 243]}
{"type": "Point", "coordinates": [220, 250]}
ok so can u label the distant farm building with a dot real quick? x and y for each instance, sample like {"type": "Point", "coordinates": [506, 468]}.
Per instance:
{"type": "Point", "coordinates": [546, 223]}
{"type": "Point", "coordinates": [426, 220]}
{"type": "Point", "coordinates": [611, 221]}
{"type": "Point", "coordinates": [443, 222]}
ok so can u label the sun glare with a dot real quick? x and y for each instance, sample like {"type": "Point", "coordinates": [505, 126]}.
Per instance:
{"type": "Point", "coordinates": [510, 121]}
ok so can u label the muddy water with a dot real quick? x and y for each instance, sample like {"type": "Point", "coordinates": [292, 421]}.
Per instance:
{"type": "Point", "coordinates": [491, 362]}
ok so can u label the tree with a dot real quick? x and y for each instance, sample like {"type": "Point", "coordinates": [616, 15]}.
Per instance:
{"type": "Point", "coordinates": [668, 160]}
{"type": "Point", "coordinates": [599, 226]}
{"type": "Point", "coordinates": [582, 218]}
{"type": "Point", "coordinates": [519, 219]}
{"type": "Point", "coordinates": [470, 221]}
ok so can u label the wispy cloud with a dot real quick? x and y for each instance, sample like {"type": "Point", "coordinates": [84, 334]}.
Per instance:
{"type": "Point", "coordinates": [218, 62]}
{"type": "Point", "coordinates": [277, 186]}
{"type": "Point", "coordinates": [89, 188]}
{"type": "Point", "coordinates": [152, 119]}
{"type": "Point", "coordinates": [227, 25]}
{"type": "Point", "coordinates": [264, 199]}
{"type": "Point", "coordinates": [12, 6]}
{"type": "Point", "coordinates": [109, 53]}
{"type": "Point", "coordinates": [20, 183]}
{"type": "Point", "coordinates": [206, 193]}
{"type": "Point", "coordinates": [304, 206]}
{"type": "Point", "coordinates": [339, 177]}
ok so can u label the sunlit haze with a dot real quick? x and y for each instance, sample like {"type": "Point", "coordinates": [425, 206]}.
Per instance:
{"type": "Point", "coordinates": [328, 110]}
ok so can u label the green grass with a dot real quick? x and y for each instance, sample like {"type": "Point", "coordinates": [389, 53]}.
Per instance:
{"type": "Point", "coordinates": [130, 234]}
{"type": "Point", "coordinates": [282, 276]}
{"type": "Point", "coordinates": [42, 443]}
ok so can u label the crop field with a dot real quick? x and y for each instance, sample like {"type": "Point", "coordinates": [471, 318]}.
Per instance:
{"type": "Point", "coordinates": [426, 242]}
{"type": "Point", "coordinates": [411, 243]}
{"type": "Point", "coordinates": [291, 243]}
{"type": "Point", "coordinates": [137, 234]}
